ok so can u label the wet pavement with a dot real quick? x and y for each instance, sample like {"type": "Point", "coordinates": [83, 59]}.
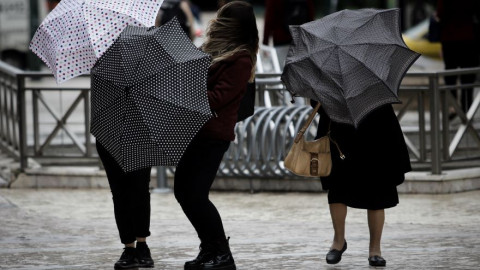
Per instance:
{"type": "Point", "coordinates": [75, 229]}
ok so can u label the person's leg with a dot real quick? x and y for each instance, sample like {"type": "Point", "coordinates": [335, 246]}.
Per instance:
{"type": "Point", "coordinates": [376, 220]}
{"type": "Point", "coordinates": [450, 60]}
{"type": "Point", "coordinates": [139, 182]}
{"type": "Point", "coordinates": [338, 213]}
{"type": "Point", "coordinates": [194, 176]}
{"type": "Point", "coordinates": [466, 50]}
{"type": "Point", "coordinates": [119, 187]}
{"type": "Point", "coordinates": [140, 201]}
{"type": "Point", "coordinates": [117, 180]}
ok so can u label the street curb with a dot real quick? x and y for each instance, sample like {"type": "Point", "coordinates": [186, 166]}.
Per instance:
{"type": "Point", "coordinates": [450, 181]}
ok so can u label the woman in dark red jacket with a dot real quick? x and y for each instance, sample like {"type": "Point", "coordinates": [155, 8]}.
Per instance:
{"type": "Point", "coordinates": [232, 41]}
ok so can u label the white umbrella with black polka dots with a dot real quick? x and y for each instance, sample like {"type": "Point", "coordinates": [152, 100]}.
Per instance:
{"type": "Point", "coordinates": [149, 96]}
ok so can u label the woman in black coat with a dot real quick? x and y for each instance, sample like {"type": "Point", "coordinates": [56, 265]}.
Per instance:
{"type": "Point", "coordinates": [376, 160]}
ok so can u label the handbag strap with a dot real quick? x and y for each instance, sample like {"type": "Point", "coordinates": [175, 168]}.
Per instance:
{"type": "Point", "coordinates": [307, 124]}
{"type": "Point", "coordinates": [342, 156]}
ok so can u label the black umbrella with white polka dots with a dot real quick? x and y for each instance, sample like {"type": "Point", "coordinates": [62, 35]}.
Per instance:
{"type": "Point", "coordinates": [149, 96]}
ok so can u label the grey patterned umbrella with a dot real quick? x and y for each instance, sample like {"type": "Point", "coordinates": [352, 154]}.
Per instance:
{"type": "Point", "coordinates": [149, 96]}
{"type": "Point", "coordinates": [351, 61]}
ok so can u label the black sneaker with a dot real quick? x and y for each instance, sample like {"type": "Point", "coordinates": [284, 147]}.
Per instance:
{"type": "Point", "coordinates": [128, 259]}
{"type": "Point", "coordinates": [143, 255]}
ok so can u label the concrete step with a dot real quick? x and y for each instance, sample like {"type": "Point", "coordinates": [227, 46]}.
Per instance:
{"type": "Point", "coordinates": [455, 180]}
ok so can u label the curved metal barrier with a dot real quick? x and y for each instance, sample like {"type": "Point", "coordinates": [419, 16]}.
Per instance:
{"type": "Point", "coordinates": [263, 141]}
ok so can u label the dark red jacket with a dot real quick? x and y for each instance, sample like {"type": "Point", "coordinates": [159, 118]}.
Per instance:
{"type": "Point", "coordinates": [226, 85]}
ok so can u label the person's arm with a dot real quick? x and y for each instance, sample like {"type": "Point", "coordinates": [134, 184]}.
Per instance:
{"type": "Point", "coordinates": [190, 19]}
{"type": "Point", "coordinates": [158, 19]}
{"type": "Point", "coordinates": [230, 83]}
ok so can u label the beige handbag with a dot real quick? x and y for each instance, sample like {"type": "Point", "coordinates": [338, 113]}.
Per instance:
{"type": "Point", "coordinates": [310, 158]}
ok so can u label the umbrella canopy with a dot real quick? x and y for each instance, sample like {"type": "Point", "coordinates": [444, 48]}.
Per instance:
{"type": "Point", "coordinates": [149, 96]}
{"type": "Point", "coordinates": [351, 61]}
{"type": "Point", "coordinates": [77, 32]}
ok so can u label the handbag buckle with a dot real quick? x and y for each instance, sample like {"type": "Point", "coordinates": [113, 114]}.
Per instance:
{"type": "Point", "coordinates": [313, 164]}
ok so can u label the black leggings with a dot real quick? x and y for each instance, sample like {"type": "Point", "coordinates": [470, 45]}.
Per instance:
{"type": "Point", "coordinates": [194, 176]}
{"type": "Point", "coordinates": [131, 198]}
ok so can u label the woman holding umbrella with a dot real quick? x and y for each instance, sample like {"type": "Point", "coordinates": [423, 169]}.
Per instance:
{"type": "Point", "coordinates": [355, 76]}
{"type": "Point", "coordinates": [232, 41]}
{"type": "Point", "coordinates": [376, 160]}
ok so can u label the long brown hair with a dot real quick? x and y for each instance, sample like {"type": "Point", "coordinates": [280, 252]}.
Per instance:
{"type": "Point", "coordinates": [233, 30]}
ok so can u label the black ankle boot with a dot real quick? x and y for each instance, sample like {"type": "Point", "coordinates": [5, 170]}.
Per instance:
{"type": "Point", "coordinates": [223, 257]}
{"type": "Point", "coordinates": [143, 255]}
{"type": "Point", "coordinates": [128, 259]}
{"type": "Point", "coordinates": [206, 254]}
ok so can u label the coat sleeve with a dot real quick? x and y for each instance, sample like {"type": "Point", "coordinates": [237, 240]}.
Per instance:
{"type": "Point", "coordinates": [230, 83]}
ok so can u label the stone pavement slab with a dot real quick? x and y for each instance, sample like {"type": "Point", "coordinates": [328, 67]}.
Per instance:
{"type": "Point", "coordinates": [75, 229]}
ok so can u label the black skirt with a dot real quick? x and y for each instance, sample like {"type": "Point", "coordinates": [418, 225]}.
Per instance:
{"type": "Point", "coordinates": [376, 160]}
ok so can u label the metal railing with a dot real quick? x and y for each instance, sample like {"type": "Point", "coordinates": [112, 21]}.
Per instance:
{"type": "Point", "coordinates": [36, 123]}
{"type": "Point", "coordinates": [424, 95]}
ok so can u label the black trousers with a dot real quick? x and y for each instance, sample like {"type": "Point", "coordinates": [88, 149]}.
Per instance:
{"type": "Point", "coordinates": [194, 176]}
{"type": "Point", "coordinates": [461, 54]}
{"type": "Point", "coordinates": [131, 198]}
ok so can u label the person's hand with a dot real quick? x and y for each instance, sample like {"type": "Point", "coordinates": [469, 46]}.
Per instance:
{"type": "Point", "coordinates": [435, 17]}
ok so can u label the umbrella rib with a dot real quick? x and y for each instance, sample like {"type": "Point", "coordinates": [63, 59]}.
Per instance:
{"type": "Point", "coordinates": [368, 68]}
{"type": "Point", "coordinates": [314, 36]}
{"type": "Point", "coordinates": [321, 68]}
{"type": "Point", "coordinates": [60, 12]}
{"type": "Point", "coordinates": [368, 21]}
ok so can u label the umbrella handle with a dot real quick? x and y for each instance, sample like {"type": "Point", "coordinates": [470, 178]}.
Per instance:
{"type": "Point", "coordinates": [307, 124]}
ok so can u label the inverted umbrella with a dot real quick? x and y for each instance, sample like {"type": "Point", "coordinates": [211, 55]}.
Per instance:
{"type": "Point", "coordinates": [149, 96]}
{"type": "Point", "coordinates": [77, 32]}
{"type": "Point", "coordinates": [351, 61]}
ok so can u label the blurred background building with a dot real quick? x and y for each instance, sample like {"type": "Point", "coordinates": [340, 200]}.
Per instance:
{"type": "Point", "coordinates": [20, 18]}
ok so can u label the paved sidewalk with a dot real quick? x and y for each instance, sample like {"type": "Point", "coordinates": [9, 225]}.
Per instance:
{"type": "Point", "coordinates": [75, 229]}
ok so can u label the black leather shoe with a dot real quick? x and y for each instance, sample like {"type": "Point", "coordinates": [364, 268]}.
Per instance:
{"type": "Point", "coordinates": [377, 261]}
{"type": "Point", "coordinates": [223, 262]}
{"type": "Point", "coordinates": [206, 254]}
{"type": "Point", "coordinates": [128, 259]}
{"type": "Point", "coordinates": [335, 256]}
{"type": "Point", "coordinates": [143, 255]}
